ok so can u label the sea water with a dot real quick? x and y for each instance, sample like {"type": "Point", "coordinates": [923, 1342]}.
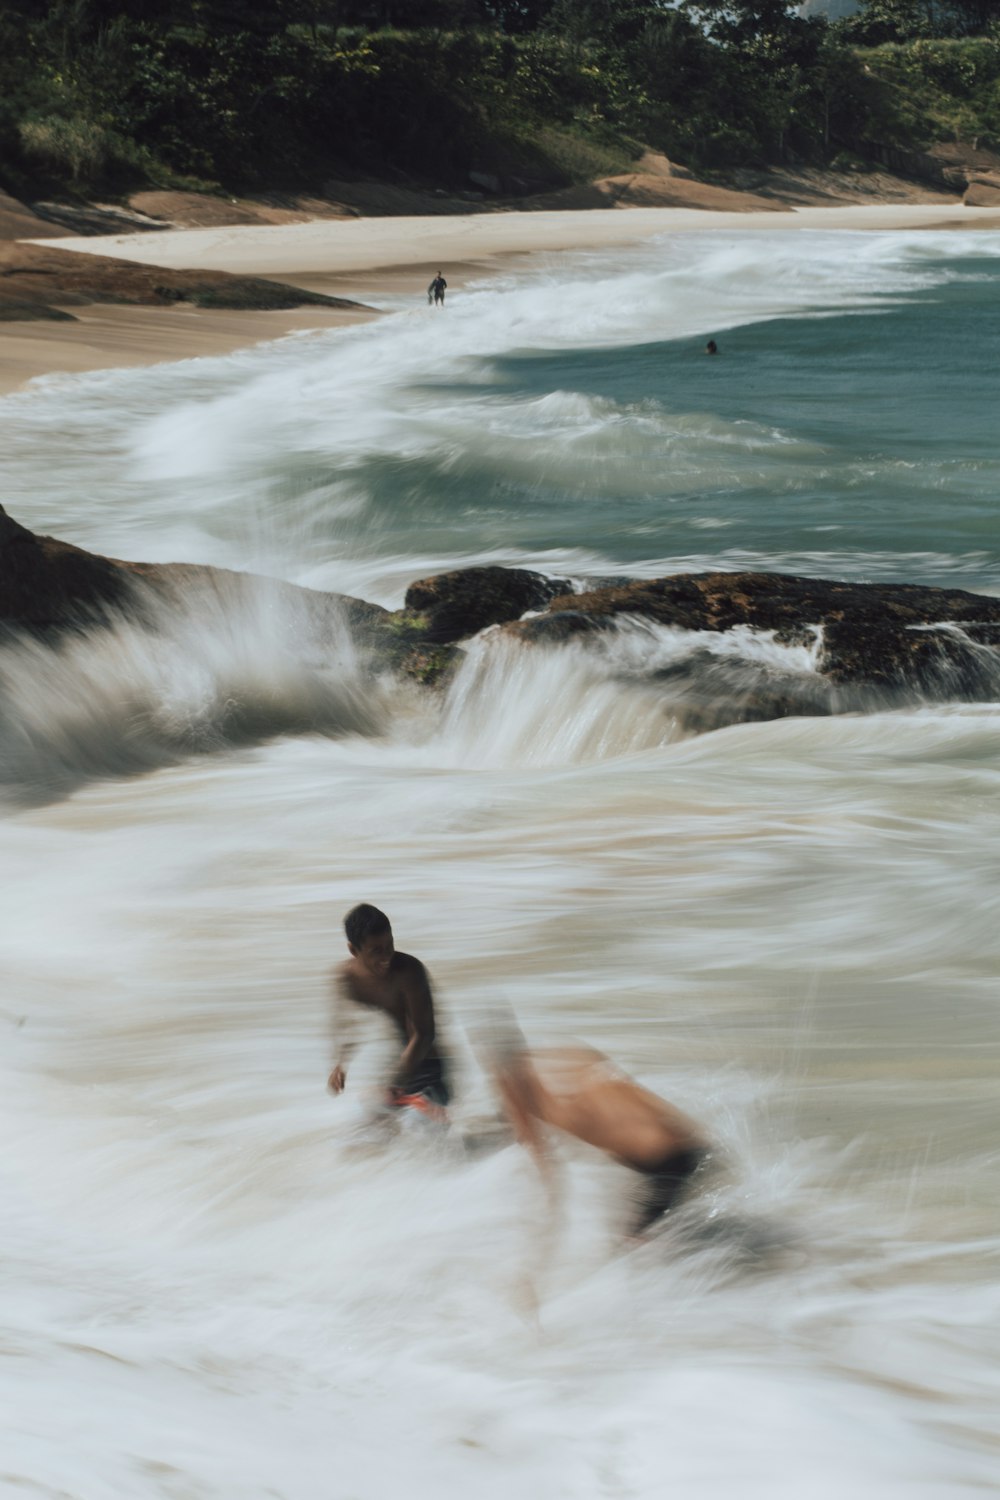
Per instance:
{"type": "Point", "coordinates": [211, 1287]}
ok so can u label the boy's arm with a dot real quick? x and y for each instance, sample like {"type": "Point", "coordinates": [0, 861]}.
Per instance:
{"type": "Point", "coordinates": [521, 1096]}
{"type": "Point", "coordinates": [343, 1017]}
{"type": "Point", "coordinates": [420, 1027]}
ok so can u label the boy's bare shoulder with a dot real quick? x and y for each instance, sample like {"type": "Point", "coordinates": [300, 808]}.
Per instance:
{"type": "Point", "coordinates": [405, 963]}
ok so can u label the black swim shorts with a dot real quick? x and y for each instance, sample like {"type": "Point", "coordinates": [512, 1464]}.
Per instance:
{"type": "Point", "coordinates": [427, 1081]}
{"type": "Point", "coordinates": [664, 1185]}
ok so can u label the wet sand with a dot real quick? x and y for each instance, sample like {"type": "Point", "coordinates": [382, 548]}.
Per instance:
{"type": "Point", "coordinates": [104, 338]}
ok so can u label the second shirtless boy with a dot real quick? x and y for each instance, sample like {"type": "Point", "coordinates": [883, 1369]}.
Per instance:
{"type": "Point", "coordinates": [377, 977]}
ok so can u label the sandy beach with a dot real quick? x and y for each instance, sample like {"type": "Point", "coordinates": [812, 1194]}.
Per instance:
{"type": "Point", "coordinates": [105, 338]}
{"type": "Point", "coordinates": [365, 258]}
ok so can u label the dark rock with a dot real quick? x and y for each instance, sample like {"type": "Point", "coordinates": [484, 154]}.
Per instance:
{"type": "Point", "coordinates": [12, 311]}
{"type": "Point", "coordinates": [95, 218]}
{"type": "Point", "coordinates": [554, 629]}
{"type": "Point", "coordinates": [706, 692]}
{"type": "Point", "coordinates": [399, 642]}
{"type": "Point", "coordinates": [880, 645]}
{"type": "Point", "coordinates": [34, 277]}
{"type": "Point", "coordinates": [49, 587]}
{"type": "Point", "coordinates": [431, 666]}
{"type": "Point", "coordinates": [488, 181]}
{"type": "Point", "coordinates": [776, 601]}
{"type": "Point", "coordinates": [861, 622]}
{"type": "Point", "coordinates": [876, 645]}
{"type": "Point", "coordinates": [985, 632]}
{"type": "Point", "coordinates": [451, 606]}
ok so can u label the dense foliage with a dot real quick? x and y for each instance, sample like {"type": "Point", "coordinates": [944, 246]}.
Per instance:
{"type": "Point", "coordinates": [107, 94]}
{"type": "Point", "coordinates": [936, 90]}
{"type": "Point", "coordinates": [907, 20]}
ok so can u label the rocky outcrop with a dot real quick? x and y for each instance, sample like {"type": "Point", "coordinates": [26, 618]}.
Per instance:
{"type": "Point", "coordinates": [41, 281]}
{"type": "Point", "coordinates": [951, 166]}
{"type": "Point", "coordinates": [876, 645]}
{"type": "Point", "coordinates": [870, 645]}
{"type": "Point", "coordinates": [864, 625]}
{"type": "Point", "coordinates": [971, 169]}
{"type": "Point", "coordinates": [650, 190]}
{"type": "Point", "coordinates": [983, 190]}
{"type": "Point", "coordinates": [452, 606]}
{"type": "Point", "coordinates": [49, 588]}
{"type": "Point", "coordinates": [18, 221]}
{"type": "Point", "coordinates": [47, 585]}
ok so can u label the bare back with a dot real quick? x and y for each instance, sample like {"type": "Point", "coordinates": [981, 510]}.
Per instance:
{"type": "Point", "coordinates": [579, 1091]}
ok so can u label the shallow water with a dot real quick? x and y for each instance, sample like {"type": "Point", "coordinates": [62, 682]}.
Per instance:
{"type": "Point", "coordinates": [789, 928]}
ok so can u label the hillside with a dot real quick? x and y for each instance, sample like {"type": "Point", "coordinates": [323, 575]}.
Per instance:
{"type": "Point", "coordinates": [129, 115]}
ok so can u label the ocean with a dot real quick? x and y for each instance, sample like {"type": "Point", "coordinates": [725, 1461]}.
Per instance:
{"type": "Point", "coordinates": [213, 1285]}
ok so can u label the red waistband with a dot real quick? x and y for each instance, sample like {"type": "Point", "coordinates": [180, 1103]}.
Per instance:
{"type": "Point", "coordinates": [422, 1103]}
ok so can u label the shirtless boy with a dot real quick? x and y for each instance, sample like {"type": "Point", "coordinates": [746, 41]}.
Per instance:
{"type": "Point", "coordinates": [377, 977]}
{"type": "Point", "coordinates": [579, 1091]}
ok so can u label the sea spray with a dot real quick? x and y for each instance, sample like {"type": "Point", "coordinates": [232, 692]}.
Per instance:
{"type": "Point", "coordinates": [789, 928]}
{"type": "Point", "coordinates": [199, 672]}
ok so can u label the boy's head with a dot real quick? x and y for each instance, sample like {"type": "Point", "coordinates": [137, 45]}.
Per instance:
{"type": "Point", "coordinates": [369, 938]}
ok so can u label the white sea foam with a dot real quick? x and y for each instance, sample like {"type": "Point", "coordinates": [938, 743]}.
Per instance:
{"type": "Point", "coordinates": [229, 1281]}
{"type": "Point", "coordinates": [791, 928]}
{"type": "Point", "coordinates": [210, 670]}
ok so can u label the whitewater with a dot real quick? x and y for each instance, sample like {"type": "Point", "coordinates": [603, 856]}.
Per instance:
{"type": "Point", "coordinates": [212, 1287]}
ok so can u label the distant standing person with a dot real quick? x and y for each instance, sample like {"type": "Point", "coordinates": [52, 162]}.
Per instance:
{"type": "Point", "coordinates": [436, 290]}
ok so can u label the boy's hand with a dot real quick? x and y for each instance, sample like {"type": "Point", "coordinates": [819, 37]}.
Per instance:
{"type": "Point", "coordinates": [337, 1079]}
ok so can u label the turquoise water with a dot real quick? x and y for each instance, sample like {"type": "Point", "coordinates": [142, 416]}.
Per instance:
{"type": "Point", "coordinates": [864, 442]}
{"type": "Point", "coordinates": [848, 427]}
{"type": "Point", "coordinates": [791, 928]}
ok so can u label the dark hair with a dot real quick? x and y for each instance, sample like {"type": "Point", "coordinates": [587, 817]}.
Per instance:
{"type": "Point", "coordinates": [363, 922]}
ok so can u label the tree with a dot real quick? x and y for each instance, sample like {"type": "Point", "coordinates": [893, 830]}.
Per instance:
{"type": "Point", "coordinates": [908, 20]}
{"type": "Point", "coordinates": [518, 17]}
{"type": "Point", "coordinates": [734, 22]}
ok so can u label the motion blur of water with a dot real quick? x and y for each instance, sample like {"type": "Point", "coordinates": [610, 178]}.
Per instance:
{"type": "Point", "coordinates": [792, 929]}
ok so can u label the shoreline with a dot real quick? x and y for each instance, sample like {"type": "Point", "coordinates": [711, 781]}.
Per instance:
{"type": "Point", "coordinates": [106, 336]}
{"type": "Point", "coordinates": [366, 258]}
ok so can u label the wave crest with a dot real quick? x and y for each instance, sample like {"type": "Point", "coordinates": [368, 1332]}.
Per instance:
{"type": "Point", "coordinates": [207, 671]}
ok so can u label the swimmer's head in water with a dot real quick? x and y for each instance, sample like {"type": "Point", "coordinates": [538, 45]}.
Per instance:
{"type": "Point", "coordinates": [711, 347]}
{"type": "Point", "coordinates": [369, 937]}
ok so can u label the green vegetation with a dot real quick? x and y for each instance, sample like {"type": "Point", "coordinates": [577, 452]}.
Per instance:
{"type": "Point", "coordinates": [108, 95]}
{"type": "Point", "coordinates": [910, 20]}
{"type": "Point", "coordinates": [933, 90]}
{"type": "Point", "coordinates": [399, 644]}
{"type": "Point", "coordinates": [934, 68]}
